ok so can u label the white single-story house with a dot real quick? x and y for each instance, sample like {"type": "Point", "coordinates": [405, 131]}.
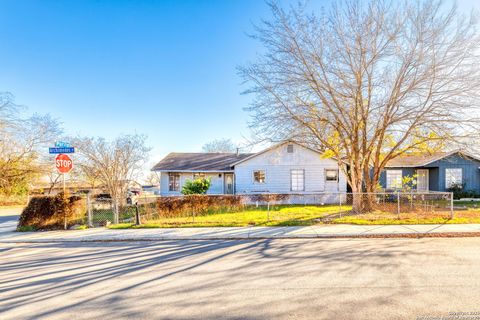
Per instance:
{"type": "Point", "coordinates": [286, 168]}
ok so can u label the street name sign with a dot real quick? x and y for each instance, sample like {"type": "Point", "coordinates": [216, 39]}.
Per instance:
{"type": "Point", "coordinates": [61, 150]}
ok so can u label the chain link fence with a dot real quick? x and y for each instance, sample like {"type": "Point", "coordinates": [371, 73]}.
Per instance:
{"type": "Point", "coordinates": [268, 209]}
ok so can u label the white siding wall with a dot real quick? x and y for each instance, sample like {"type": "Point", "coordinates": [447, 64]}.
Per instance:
{"type": "Point", "coordinates": [215, 188]}
{"type": "Point", "coordinates": [277, 164]}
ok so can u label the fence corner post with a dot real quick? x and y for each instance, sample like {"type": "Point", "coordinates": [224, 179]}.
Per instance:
{"type": "Point", "coordinates": [451, 206]}
{"type": "Point", "coordinates": [89, 211]}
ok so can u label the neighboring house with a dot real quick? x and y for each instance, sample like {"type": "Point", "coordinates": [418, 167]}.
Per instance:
{"type": "Point", "coordinates": [435, 172]}
{"type": "Point", "coordinates": [283, 168]}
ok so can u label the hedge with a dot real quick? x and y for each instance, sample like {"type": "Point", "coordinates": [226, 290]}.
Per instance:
{"type": "Point", "coordinates": [175, 206]}
{"type": "Point", "coordinates": [49, 213]}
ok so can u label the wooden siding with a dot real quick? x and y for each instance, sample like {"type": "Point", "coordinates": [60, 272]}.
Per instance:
{"type": "Point", "coordinates": [277, 164]}
{"type": "Point", "coordinates": [470, 172]}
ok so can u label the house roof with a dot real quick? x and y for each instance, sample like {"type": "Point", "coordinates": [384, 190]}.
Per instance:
{"type": "Point", "coordinates": [424, 159]}
{"type": "Point", "coordinates": [253, 155]}
{"type": "Point", "coordinates": [199, 161]}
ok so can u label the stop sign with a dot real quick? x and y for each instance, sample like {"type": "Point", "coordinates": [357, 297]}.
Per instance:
{"type": "Point", "coordinates": [63, 163]}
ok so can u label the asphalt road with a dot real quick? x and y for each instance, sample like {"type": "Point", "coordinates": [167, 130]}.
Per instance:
{"type": "Point", "coordinates": [265, 279]}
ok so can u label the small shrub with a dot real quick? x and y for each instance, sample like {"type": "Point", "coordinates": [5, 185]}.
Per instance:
{"type": "Point", "coordinates": [26, 228]}
{"type": "Point", "coordinates": [459, 191]}
{"type": "Point", "coordinates": [198, 186]}
{"type": "Point", "coordinates": [49, 213]}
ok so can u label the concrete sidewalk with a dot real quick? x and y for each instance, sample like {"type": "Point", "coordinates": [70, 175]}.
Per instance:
{"type": "Point", "coordinates": [320, 231]}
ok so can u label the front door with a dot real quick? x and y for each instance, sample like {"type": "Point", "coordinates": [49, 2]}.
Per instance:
{"type": "Point", "coordinates": [228, 183]}
{"type": "Point", "coordinates": [422, 179]}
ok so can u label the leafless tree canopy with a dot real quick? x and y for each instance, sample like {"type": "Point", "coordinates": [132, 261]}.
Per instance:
{"type": "Point", "coordinates": [219, 146]}
{"type": "Point", "coordinates": [23, 140]}
{"type": "Point", "coordinates": [367, 81]}
{"type": "Point", "coordinates": [112, 163]}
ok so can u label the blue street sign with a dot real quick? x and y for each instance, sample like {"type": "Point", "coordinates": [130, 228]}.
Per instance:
{"type": "Point", "coordinates": [61, 150]}
{"type": "Point", "coordinates": [62, 144]}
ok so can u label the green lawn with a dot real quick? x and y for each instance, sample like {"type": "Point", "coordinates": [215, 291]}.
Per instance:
{"type": "Point", "coordinates": [290, 215]}
{"type": "Point", "coordinates": [470, 215]}
{"type": "Point", "coordinates": [299, 215]}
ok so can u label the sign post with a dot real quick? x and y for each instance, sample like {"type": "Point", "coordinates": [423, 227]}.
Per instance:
{"type": "Point", "coordinates": [63, 163]}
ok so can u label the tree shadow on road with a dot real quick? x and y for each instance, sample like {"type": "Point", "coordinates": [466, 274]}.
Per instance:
{"type": "Point", "coordinates": [57, 275]}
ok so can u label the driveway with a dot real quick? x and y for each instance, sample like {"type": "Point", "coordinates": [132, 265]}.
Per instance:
{"type": "Point", "coordinates": [241, 279]}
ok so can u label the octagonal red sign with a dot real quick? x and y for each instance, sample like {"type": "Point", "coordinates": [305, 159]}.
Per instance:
{"type": "Point", "coordinates": [63, 163]}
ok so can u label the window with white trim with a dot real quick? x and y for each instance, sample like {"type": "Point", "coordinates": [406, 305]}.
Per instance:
{"type": "Point", "coordinates": [394, 179]}
{"type": "Point", "coordinates": [259, 176]}
{"type": "Point", "coordinates": [198, 175]}
{"type": "Point", "coordinates": [174, 181]}
{"type": "Point", "coordinates": [297, 180]}
{"type": "Point", "coordinates": [290, 148]}
{"type": "Point", "coordinates": [453, 176]}
{"type": "Point", "coordinates": [331, 175]}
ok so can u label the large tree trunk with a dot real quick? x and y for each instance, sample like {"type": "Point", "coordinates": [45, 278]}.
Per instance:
{"type": "Point", "coordinates": [357, 196]}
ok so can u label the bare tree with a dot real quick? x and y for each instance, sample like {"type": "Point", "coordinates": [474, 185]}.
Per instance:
{"type": "Point", "coordinates": [22, 142]}
{"type": "Point", "coordinates": [152, 179]}
{"type": "Point", "coordinates": [367, 82]}
{"type": "Point", "coordinates": [116, 163]}
{"type": "Point", "coordinates": [219, 146]}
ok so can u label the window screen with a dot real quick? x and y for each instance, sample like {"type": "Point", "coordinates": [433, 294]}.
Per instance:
{"type": "Point", "coordinates": [331, 175]}
{"type": "Point", "coordinates": [297, 178]}
{"type": "Point", "coordinates": [259, 176]}
{"type": "Point", "coordinates": [174, 181]}
{"type": "Point", "coordinates": [453, 176]}
{"type": "Point", "coordinates": [394, 179]}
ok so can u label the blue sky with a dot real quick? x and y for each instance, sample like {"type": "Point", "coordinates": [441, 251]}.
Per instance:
{"type": "Point", "coordinates": [163, 68]}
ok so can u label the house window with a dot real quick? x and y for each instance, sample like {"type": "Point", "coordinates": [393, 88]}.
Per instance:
{"type": "Point", "coordinates": [174, 181]}
{"type": "Point", "coordinates": [297, 177]}
{"type": "Point", "coordinates": [198, 175]}
{"type": "Point", "coordinates": [259, 176]}
{"type": "Point", "coordinates": [331, 175]}
{"type": "Point", "coordinates": [394, 179]}
{"type": "Point", "coordinates": [290, 148]}
{"type": "Point", "coordinates": [453, 177]}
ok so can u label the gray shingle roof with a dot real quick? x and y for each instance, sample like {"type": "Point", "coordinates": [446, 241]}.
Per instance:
{"type": "Point", "coordinates": [416, 160]}
{"type": "Point", "coordinates": [424, 159]}
{"type": "Point", "coordinates": [199, 161]}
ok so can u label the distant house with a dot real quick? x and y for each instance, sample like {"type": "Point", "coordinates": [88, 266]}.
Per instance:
{"type": "Point", "coordinates": [434, 172]}
{"type": "Point", "coordinates": [283, 168]}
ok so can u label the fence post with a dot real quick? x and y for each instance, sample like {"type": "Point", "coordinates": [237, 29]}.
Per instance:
{"type": "Point", "coordinates": [137, 215]}
{"type": "Point", "coordinates": [398, 202]}
{"type": "Point", "coordinates": [268, 210]}
{"type": "Point", "coordinates": [89, 211]}
{"type": "Point", "coordinates": [451, 205]}
{"type": "Point", "coordinates": [115, 211]}
{"type": "Point", "coordinates": [340, 204]}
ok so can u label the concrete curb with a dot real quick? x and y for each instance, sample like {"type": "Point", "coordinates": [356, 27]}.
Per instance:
{"type": "Point", "coordinates": [252, 238]}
